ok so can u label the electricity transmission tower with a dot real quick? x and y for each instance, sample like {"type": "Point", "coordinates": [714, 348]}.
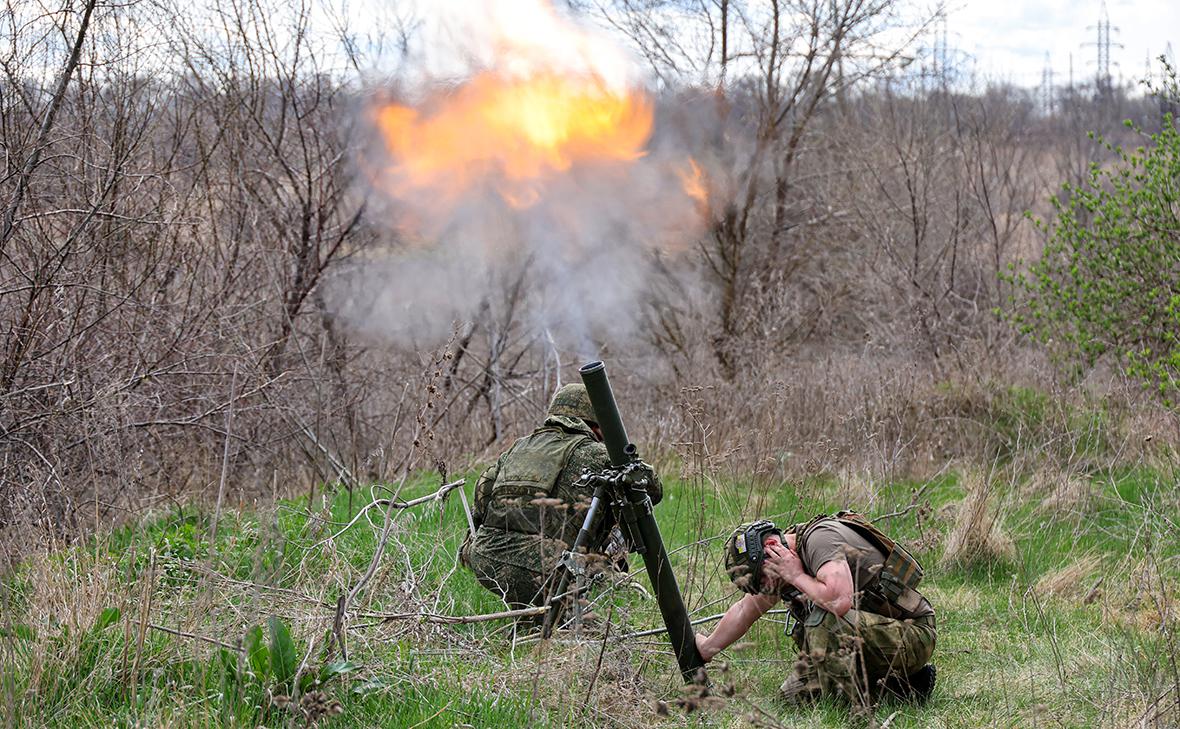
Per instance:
{"type": "Point", "coordinates": [1102, 77]}
{"type": "Point", "coordinates": [942, 69]}
{"type": "Point", "coordinates": [1047, 101]}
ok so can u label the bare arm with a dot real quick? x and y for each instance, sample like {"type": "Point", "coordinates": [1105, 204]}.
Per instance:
{"type": "Point", "coordinates": [734, 624]}
{"type": "Point", "coordinates": [831, 588]}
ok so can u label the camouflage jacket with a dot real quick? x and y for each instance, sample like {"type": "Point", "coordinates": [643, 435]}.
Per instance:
{"type": "Point", "coordinates": [530, 504]}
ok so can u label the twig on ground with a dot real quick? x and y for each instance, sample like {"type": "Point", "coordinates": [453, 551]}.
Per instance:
{"type": "Point", "coordinates": [915, 502]}
{"type": "Point", "coordinates": [1092, 594]}
{"type": "Point", "coordinates": [452, 619]}
{"type": "Point", "coordinates": [432, 716]}
{"type": "Point", "coordinates": [195, 636]}
{"type": "Point", "coordinates": [436, 496]}
{"type": "Point", "coordinates": [698, 621]}
{"type": "Point", "coordinates": [601, 651]}
{"type": "Point", "coordinates": [341, 470]}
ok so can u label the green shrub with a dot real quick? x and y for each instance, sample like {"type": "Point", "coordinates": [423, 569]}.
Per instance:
{"type": "Point", "coordinates": [1109, 280]}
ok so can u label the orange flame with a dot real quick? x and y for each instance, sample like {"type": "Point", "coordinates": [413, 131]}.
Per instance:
{"type": "Point", "coordinates": [693, 181]}
{"type": "Point", "coordinates": [511, 134]}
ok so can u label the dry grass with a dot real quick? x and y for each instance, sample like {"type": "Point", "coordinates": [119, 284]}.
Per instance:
{"type": "Point", "coordinates": [977, 536]}
{"type": "Point", "coordinates": [67, 594]}
{"type": "Point", "coordinates": [1063, 494]}
{"type": "Point", "coordinates": [857, 489]}
{"type": "Point", "coordinates": [1075, 580]}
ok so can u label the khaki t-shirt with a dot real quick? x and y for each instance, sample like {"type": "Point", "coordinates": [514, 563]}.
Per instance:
{"type": "Point", "coordinates": [830, 540]}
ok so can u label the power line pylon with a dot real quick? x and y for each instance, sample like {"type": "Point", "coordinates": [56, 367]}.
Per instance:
{"type": "Point", "coordinates": [1047, 101]}
{"type": "Point", "coordinates": [941, 52]}
{"type": "Point", "coordinates": [1103, 44]}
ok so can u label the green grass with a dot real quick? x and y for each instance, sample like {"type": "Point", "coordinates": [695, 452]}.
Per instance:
{"type": "Point", "coordinates": [76, 652]}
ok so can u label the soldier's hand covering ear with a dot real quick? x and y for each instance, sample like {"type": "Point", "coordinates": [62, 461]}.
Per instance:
{"type": "Point", "coordinates": [782, 562]}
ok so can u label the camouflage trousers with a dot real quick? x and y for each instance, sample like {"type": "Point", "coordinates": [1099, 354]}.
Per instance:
{"type": "Point", "coordinates": [852, 655]}
{"type": "Point", "coordinates": [509, 565]}
{"type": "Point", "coordinates": [518, 586]}
{"type": "Point", "coordinates": [520, 567]}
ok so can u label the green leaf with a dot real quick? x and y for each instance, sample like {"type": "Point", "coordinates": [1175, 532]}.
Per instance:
{"type": "Point", "coordinates": [284, 659]}
{"type": "Point", "coordinates": [257, 654]}
{"type": "Point", "coordinates": [106, 618]}
{"type": "Point", "coordinates": [373, 685]}
{"type": "Point", "coordinates": [307, 682]}
{"type": "Point", "coordinates": [338, 668]}
{"type": "Point", "coordinates": [226, 663]}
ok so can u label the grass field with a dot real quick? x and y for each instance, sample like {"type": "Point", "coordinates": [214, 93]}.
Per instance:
{"type": "Point", "coordinates": [1062, 613]}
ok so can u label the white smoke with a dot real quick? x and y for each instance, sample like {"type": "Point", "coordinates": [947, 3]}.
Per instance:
{"type": "Point", "coordinates": [575, 264]}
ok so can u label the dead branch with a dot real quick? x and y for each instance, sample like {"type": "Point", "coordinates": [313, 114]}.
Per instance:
{"type": "Point", "coordinates": [59, 95]}
{"type": "Point", "coordinates": [436, 496]}
{"type": "Point", "coordinates": [195, 636]}
{"type": "Point", "coordinates": [454, 619]}
{"type": "Point", "coordinates": [698, 621]}
{"type": "Point", "coordinates": [915, 502]}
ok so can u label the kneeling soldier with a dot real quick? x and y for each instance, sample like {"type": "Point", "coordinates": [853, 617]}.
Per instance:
{"type": "Point", "coordinates": [860, 625]}
{"type": "Point", "coordinates": [528, 504]}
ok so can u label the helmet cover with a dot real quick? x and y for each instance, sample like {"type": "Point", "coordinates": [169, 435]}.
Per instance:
{"type": "Point", "coordinates": [572, 401]}
{"type": "Point", "coordinates": [745, 554]}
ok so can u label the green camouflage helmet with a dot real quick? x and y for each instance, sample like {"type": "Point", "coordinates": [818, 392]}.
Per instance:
{"type": "Point", "coordinates": [744, 554]}
{"type": "Point", "coordinates": [573, 401]}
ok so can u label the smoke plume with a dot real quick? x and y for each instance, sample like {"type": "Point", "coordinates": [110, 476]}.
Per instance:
{"type": "Point", "coordinates": [541, 184]}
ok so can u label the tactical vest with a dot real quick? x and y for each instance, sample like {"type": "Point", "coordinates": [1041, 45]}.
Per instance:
{"type": "Point", "coordinates": [893, 590]}
{"type": "Point", "coordinates": [529, 471]}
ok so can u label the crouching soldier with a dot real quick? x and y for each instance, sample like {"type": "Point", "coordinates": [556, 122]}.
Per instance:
{"type": "Point", "coordinates": [529, 504]}
{"type": "Point", "coordinates": [861, 627]}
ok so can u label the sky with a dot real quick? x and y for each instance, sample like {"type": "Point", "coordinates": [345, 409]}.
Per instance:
{"type": "Point", "coordinates": [994, 40]}
{"type": "Point", "coordinates": [1008, 39]}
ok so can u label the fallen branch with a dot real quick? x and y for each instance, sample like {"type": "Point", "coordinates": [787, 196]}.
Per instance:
{"type": "Point", "coordinates": [436, 496]}
{"type": "Point", "coordinates": [1092, 595]}
{"type": "Point", "coordinates": [456, 619]}
{"type": "Point", "coordinates": [194, 636]}
{"type": "Point", "coordinates": [341, 470]}
{"type": "Point", "coordinates": [698, 621]}
{"type": "Point", "coordinates": [915, 502]}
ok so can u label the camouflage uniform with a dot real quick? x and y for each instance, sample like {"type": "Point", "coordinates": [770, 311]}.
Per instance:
{"type": "Point", "coordinates": [530, 504]}
{"type": "Point", "coordinates": [878, 640]}
{"type": "Point", "coordinates": [852, 655]}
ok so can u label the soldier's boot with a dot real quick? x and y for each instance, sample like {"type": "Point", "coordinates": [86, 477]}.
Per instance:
{"type": "Point", "coordinates": [922, 683]}
{"type": "Point", "coordinates": [799, 691]}
{"type": "Point", "coordinates": [916, 687]}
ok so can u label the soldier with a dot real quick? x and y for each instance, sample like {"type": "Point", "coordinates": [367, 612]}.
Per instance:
{"type": "Point", "coordinates": [860, 625]}
{"type": "Point", "coordinates": [529, 504]}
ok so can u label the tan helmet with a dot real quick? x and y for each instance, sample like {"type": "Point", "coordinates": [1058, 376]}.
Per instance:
{"type": "Point", "coordinates": [573, 401]}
